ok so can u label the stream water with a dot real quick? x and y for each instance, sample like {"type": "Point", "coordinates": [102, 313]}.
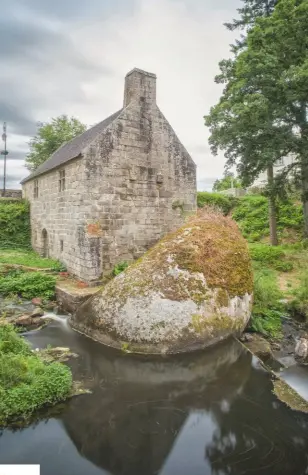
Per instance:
{"type": "Point", "coordinates": [206, 413]}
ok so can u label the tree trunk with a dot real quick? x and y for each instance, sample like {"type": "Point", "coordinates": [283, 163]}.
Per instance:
{"type": "Point", "coordinates": [304, 173]}
{"type": "Point", "coordinates": [272, 207]}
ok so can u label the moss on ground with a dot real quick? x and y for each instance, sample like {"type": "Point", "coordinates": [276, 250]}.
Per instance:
{"type": "Point", "coordinates": [290, 397]}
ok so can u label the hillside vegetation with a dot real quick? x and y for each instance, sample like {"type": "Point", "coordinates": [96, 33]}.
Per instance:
{"type": "Point", "coordinates": [280, 272]}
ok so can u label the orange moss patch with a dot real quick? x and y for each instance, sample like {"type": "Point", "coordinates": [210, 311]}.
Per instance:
{"type": "Point", "coordinates": [211, 244]}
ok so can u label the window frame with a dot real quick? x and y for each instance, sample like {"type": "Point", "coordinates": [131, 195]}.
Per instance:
{"type": "Point", "coordinates": [62, 180]}
{"type": "Point", "coordinates": [35, 189]}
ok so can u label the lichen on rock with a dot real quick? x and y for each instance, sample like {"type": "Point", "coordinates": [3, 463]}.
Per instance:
{"type": "Point", "coordinates": [190, 290]}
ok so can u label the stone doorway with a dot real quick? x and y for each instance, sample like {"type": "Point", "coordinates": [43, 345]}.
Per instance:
{"type": "Point", "coordinates": [45, 243]}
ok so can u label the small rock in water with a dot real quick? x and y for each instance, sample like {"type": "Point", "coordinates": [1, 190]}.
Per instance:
{"type": "Point", "coordinates": [301, 349]}
{"type": "Point", "coordinates": [23, 321]}
{"type": "Point", "coordinates": [38, 312]}
{"type": "Point", "coordinates": [276, 346]}
{"type": "Point", "coordinates": [246, 337]}
{"type": "Point", "coordinates": [37, 301]}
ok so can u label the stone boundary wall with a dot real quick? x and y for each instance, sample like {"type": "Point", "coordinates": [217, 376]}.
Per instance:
{"type": "Point", "coordinates": [11, 194]}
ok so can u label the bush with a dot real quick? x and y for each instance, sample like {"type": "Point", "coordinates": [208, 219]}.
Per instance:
{"type": "Point", "coordinates": [267, 323]}
{"type": "Point", "coordinates": [29, 285]}
{"type": "Point", "coordinates": [251, 214]}
{"type": "Point", "coordinates": [298, 307]}
{"type": "Point", "coordinates": [266, 291]}
{"type": "Point", "coordinates": [224, 203]}
{"type": "Point", "coordinates": [10, 342]}
{"type": "Point", "coordinates": [14, 224]}
{"type": "Point", "coordinates": [267, 307]}
{"type": "Point", "coordinates": [283, 266]}
{"type": "Point", "coordinates": [265, 254]}
{"type": "Point", "coordinates": [26, 382]}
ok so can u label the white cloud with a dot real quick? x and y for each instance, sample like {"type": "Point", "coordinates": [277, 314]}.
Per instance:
{"type": "Point", "coordinates": [182, 46]}
{"type": "Point", "coordinates": [180, 41]}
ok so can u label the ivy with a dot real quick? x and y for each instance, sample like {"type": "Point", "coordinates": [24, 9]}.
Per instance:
{"type": "Point", "coordinates": [14, 224]}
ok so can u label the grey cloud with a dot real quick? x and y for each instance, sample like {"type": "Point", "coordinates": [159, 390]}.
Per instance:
{"type": "Point", "coordinates": [70, 11]}
{"type": "Point", "coordinates": [18, 121]}
{"type": "Point", "coordinates": [28, 50]}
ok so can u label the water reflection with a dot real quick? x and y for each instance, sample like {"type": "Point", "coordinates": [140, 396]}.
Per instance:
{"type": "Point", "coordinates": [207, 413]}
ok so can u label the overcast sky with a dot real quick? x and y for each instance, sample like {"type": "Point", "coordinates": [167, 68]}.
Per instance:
{"type": "Point", "coordinates": [71, 56]}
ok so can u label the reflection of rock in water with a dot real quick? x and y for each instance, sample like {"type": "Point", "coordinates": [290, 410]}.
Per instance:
{"type": "Point", "coordinates": [130, 422]}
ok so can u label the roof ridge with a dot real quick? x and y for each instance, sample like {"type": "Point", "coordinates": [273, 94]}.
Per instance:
{"type": "Point", "coordinates": [73, 148]}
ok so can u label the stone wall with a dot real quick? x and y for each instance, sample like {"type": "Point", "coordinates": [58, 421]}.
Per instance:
{"type": "Point", "coordinates": [134, 183]}
{"type": "Point", "coordinates": [11, 193]}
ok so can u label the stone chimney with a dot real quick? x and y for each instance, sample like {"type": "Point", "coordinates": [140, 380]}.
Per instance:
{"type": "Point", "coordinates": [140, 85]}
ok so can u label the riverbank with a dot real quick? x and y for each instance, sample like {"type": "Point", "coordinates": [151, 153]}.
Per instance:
{"type": "Point", "coordinates": [161, 415]}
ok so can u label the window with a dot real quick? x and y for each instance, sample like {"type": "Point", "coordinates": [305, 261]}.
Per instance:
{"type": "Point", "coordinates": [61, 245]}
{"type": "Point", "coordinates": [35, 191]}
{"type": "Point", "coordinates": [279, 163]}
{"type": "Point", "coordinates": [61, 180]}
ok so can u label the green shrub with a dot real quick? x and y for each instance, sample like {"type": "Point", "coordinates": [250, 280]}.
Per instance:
{"type": "Point", "coordinates": [265, 253]}
{"type": "Point", "coordinates": [298, 307]}
{"type": "Point", "coordinates": [29, 285]}
{"type": "Point", "coordinates": [283, 266]}
{"type": "Point", "coordinates": [251, 214]}
{"type": "Point", "coordinates": [225, 203]}
{"type": "Point", "coordinates": [10, 342]}
{"type": "Point", "coordinates": [268, 322]}
{"type": "Point", "coordinates": [26, 382]}
{"type": "Point", "coordinates": [266, 291]}
{"type": "Point", "coordinates": [14, 224]}
{"type": "Point", "coordinates": [120, 268]}
{"type": "Point", "coordinates": [267, 308]}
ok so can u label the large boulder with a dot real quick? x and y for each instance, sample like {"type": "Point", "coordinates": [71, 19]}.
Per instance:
{"type": "Point", "coordinates": [189, 291]}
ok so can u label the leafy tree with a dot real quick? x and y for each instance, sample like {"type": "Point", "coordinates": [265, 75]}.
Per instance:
{"type": "Point", "coordinates": [227, 182]}
{"type": "Point", "coordinates": [50, 136]}
{"type": "Point", "coordinates": [249, 13]}
{"type": "Point", "coordinates": [262, 115]}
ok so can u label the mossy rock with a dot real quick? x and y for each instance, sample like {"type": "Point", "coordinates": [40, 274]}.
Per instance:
{"type": "Point", "coordinates": [192, 289]}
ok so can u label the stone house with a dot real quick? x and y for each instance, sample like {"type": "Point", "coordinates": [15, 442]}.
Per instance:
{"type": "Point", "coordinates": [112, 192]}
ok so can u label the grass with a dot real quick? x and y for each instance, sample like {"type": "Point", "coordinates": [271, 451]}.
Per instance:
{"type": "Point", "coordinates": [29, 259]}
{"type": "Point", "coordinates": [280, 285]}
{"type": "Point", "coordinates": [26, 382]}
{"type": "Point", "coordinates": [28, 284]}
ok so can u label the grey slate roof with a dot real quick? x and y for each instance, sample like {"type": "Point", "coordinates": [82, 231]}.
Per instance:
{"type": "Point", "coordinates": [73, 148]}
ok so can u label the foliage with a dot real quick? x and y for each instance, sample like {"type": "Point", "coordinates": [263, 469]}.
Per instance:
{"type": "Point", "coordinates": [267, 306]}
{"type": "Point", "coordinates": [14, 224]}
{"type": "Point", "coordinates": [267, 322]}
{"type": "Point", "coordinates": [265, 254]}
{"type": "Point", "coordinates": [266, 291]}
{"type": "Point", "coordinates": [298, 307]}
{"type": "Point", "coordinates": [227, 182]}
{"type": "Point", "coordinates": [262, 114]}
{"type": "Point", "coordinates": [120, 268]}
{"type": "Point", "coordinates": [28, 285]}
{"type": "Point", "coordinates": [50, 136]}
{"type": "Point", "coordinates": [224, 203]}
{"type": "Point", "coordinates": [251, 214]}
{"type": "Point", "coordinates": [26, 382]}
{"type": "Point", "coordinates": [29, 259]}
{"type": "Point", "coordinates": [10, 342]}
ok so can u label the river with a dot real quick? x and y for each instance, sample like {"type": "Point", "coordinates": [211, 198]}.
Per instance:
{"type": "Point", "coordinates": [205, 413]}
